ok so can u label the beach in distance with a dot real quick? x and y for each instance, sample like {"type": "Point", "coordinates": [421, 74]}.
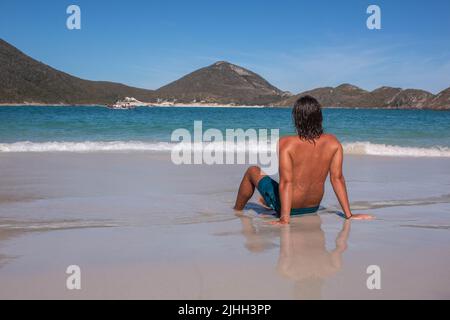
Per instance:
{"type": "Point", "coordinates": [199, 105]}
{"type": "Point", "coordinates": [97, 188]}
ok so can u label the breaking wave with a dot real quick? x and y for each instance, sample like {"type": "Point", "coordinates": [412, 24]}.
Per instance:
{"type": "Point", "coordinates": [355, 148]}
{"type": "Point", "coordinates": [368, 148]}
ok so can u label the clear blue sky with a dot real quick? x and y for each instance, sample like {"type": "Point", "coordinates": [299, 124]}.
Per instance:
{"type": "Point", "coordinates": [296, 45]}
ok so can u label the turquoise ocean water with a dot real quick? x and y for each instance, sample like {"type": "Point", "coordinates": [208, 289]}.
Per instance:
{"type": "Point", "coordinates": [362, 131]}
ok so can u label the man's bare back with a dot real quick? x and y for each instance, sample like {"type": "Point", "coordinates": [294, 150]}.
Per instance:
{"type": "Point", "coordinates": [310, 167]}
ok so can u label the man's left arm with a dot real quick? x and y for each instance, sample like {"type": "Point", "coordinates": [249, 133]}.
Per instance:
{"type": "Point", "coordinates": [285, 188]}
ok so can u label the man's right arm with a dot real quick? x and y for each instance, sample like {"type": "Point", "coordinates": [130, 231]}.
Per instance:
{"type": "Point", "coordinates": [339, 187]}
{"type": "Point", "coordinates": [338, 181]}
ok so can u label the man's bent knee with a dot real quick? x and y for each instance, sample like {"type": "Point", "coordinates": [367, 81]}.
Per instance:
{"type": "Point", "coordinates": [254, 170]}
{"type": "Point", "coordinates": [255, 174]}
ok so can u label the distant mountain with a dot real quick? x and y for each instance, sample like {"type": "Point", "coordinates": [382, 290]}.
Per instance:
{"type": "Point", "coordinates": [222, 82]}
{"type": "Point", "coordinates": [25, 80]}
{"type": "Point", "coordinates": [344, 95]}
{"type": "Point", "coordinates": [347, 95]}
{"type": "Point", "coordinates": [441, 100]}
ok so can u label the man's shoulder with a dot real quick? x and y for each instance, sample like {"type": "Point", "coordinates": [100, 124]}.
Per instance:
{"type": "Point", "coordinates": [331, 141]}
{"type": "Point", "coordinates": [287, 140]}
{"type": "Point", "coordinates": [287, 143]}
{"type": "Point", "coordinates": [330, 138]}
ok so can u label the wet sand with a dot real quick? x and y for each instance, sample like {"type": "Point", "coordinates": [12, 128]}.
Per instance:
{"type": "Point", "coordinates": [140, 227]}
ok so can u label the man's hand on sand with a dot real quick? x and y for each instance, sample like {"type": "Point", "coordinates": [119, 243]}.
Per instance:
{"type": "Point", "coordinates": [279, 223]}
{"type": "Point", "coordinates": [362, 217]}
{"type": "Point", "coordinates": [358, 216]}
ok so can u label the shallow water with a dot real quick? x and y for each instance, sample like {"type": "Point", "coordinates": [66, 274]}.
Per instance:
{"type": "Point", "coordinates": [363, 131]}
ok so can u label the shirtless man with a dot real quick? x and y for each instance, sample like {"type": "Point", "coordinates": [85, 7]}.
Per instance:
{"type": "Point", "coordinates": [304, 163]}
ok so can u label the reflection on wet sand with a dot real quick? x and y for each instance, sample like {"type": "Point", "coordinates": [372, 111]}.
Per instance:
{"type": "Point", "coordinates": [303, 257]}
{"type": "Point", "coordinates": [5, 235]}
{"type": "Point", "coordinates": [10, 229]}
{"type": "Point", "coordinates": [365, 205]}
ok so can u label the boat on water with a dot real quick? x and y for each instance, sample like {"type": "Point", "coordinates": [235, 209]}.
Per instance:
{"type": "Point", "coordinates": [126, 104]}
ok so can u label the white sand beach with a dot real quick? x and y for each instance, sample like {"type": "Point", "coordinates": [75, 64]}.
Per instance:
{"type": "Point", "coordinates": [140, 227]}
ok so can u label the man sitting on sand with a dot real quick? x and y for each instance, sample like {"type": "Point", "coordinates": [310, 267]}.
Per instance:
{"type": "Point", "coordinates": [304, 163]}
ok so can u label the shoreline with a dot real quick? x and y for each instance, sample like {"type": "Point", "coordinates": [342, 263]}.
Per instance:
{"type": "Point", "coordinates": [149, 105]}
{"type": "Point", "coordinates": [210, 105]}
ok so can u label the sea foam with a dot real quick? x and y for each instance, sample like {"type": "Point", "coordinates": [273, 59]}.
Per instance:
{"type": "Point", "coordinates": [355, 148]}
{"type": "Point", "coordinates": [368, 148]}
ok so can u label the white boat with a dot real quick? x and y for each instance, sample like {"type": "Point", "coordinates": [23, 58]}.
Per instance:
{"type": "Point", "coordinates": [126, 104]}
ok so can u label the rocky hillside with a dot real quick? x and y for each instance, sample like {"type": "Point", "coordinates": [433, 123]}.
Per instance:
{"type": "Point", "coordinates": [222, 82]}
{"type": "Point", "coordinates": [25, 80]}
{"type": "Point", "coordinates": [347, 95]}
{"type": "Point", "coordinates": [441, 100]}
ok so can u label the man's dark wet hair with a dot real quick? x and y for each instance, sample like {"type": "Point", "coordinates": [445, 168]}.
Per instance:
{"type": "Point", "coordinates": [307, 116]}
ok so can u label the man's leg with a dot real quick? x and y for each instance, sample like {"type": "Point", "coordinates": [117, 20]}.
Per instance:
{"type": "Point", "coordinates": [247, 188]}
